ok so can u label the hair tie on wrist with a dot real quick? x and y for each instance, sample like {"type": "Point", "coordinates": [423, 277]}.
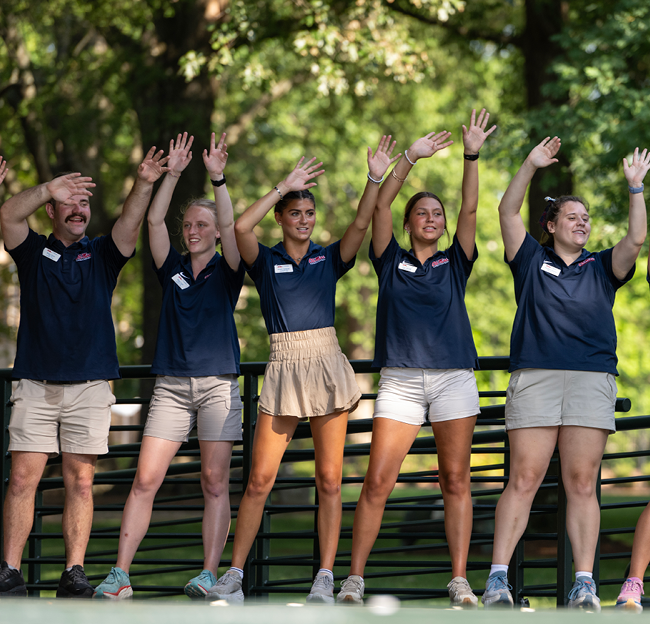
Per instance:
{"type": "Point", "coordinates": [221, 182]}
{"type": "Point", "coordinates": [172, 175]}
{"type": "Point", "coordinates": [278, 190]}
{"type": "Point", "coordinates": [375, 181]}
{"type": "Point", "coordinates": [406, 155]}
{"type": "Point", "coordinates": [471, 156]}
{"type": "Point", "coordinates": [636, 189]}
{"type": "Point", "coordinates": [395, 176]}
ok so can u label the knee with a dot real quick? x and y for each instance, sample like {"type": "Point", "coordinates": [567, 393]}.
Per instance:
{"type": "Point", "coordinates": [22, 483]}
{"type": "Point", "coordinates": [79, 485]}
{"type": "Point", "coordinates": [525, 482]}
{"type": "Point", "coordinates": [145, 483]}
{"type": "Point", "coordinates": [328, 485]}
{"type": "Point", "coordinates": [259, 485]}
{"type": "Point", "coordinates": [580, 486]}
{"type": "Point", "coordinates": [455, 483]}
{"type": "Point", "coordinates": [214, 485]}
{"type": "Point", "coordinates": [377, 488]}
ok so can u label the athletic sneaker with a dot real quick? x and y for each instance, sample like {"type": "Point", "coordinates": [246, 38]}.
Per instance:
{"type": "Point", "coordinates": [12, 582]}
{"type": "Point", "coordinates": [630, 596]}
{"type": "Point", "coordinates": [322, 590]}
{"type": "Point", "coordinates": [352, 590]}
{"type": "Point", "coordinates": [74, 584]}
{"type": "Point", "coordinates": [227, 588]}
{"type": "Point", "coordinates": [460, 593]}
{"type": "Point", "coordinates": [583, 595]}
{"type": "Point", "coordinates": [116, 586]}
{"type": "Point", "coordinates": [497, 591]}
{"type": "Point", "coordinates": [200, 585]}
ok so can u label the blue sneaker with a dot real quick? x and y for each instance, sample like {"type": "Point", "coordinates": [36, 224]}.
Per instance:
{"type": "Point", "coordinates": [116, 586]}
{"type": "Point", "coordinates": [497, 591]}
{"type": "Point", "coordinates": [200, 585]}
{"type": "Point", "coordinates": [583, 595]}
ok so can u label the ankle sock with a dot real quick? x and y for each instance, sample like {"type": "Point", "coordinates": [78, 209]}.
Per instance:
{"type": "Point", "coordinates": [497, 567]}
{"type": "Point", "coordinates": [328, 572]}
{"type": "Point", "coordinates": [581, 573]}
{"type": "Point", "coordinates": [240, 572]}
{"type": "Point", "coordinates": [11, 567]}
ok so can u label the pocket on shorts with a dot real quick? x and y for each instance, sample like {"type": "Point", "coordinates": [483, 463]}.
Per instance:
{"type": "Point", "coordinates": [515, 378]}
{"type": "Point", "coordinates": [613, 387]}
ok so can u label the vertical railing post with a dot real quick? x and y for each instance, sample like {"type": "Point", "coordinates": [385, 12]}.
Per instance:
{"type": "Point", "coordinates": [5, 465]}
{"type": "Point", "coordinates": [250, 418]}
{"type": "Point", "coordinates": [515, 567]}
{"type": "Point", "coordinates": [35, 544]}
{"type": "Point", "coordinates": [263, 550]}
{"type": "Point", "coordinates": [316, 544]}
{"type": "Point", "coordinates": [597, 556]}
{"type": "Point", "coordinates": [564, 552]}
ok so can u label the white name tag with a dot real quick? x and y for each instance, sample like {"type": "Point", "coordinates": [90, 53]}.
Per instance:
{"type": "Point", "coordinates": [180, 281]}
{"type": "Point", "coordinates": [407, 266]}
{"type": "Point", "coordinates": [283, 268]}
{"type": "Point", "coordinates": [549, 268]}
{"type": "Point", "coordinates": [52, 255]}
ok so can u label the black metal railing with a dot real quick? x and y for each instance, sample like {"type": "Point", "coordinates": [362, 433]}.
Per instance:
{"type": "Point", "coordinates": [270, 572]}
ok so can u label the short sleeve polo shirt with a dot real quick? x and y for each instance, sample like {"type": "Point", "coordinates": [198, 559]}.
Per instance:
{"type": "Point", "coordinates": [66, 329]}
{"type": "Point", "coordinates": [564, 318]}
{"type": "Point", "coordinates": [298, 297]}
{"type": "Point", "coordinates": [197, 336]}
{"type": "Point", "coordinates": [422, 321]}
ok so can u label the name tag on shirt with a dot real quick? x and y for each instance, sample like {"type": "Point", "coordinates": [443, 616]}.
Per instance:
{"type": "Point", "coordinates": [52, 255]}
{"type": "Point", "coordinates": [407, 266]}
{"type": "Point", "coordinates": [549, 268]}
{"type": "Point", "coordinates": [283, 268]}
{"type": "Point", "coordinates": [180, 282]}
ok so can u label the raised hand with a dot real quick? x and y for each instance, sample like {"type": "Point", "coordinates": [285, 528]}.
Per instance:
{"type": "Point", "coordinates": [542, 155]}
{"type": "Point", "coordinates": [152, 167]}
{"type": "Point", "coordinates": [215, 160]}
{"type": "Point", "coordinates": [3, 169]}
{"type": "Point", "coordinates": [179, 154]}
{"type": "Point", "coordinates": [475, 135]}
{"type": "Point", "coordinates": [298, 179]}
{"type": "Point", "coordinates": [428, 145]}
{"type": "Point", "coordinates": [64, 187]}
{"type": "Point", "coordinates": [379, 162]}
{"type": "Point", "coordinates": [636, 170]}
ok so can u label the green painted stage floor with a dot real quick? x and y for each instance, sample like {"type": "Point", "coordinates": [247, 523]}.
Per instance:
{"type": "Point", "coordinates": [49, 611]}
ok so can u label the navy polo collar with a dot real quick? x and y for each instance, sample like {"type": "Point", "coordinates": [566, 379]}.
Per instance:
{"type": "Point", "coordinates": [313, 247]}
{"type": "Point", "coordinates": [429, 259]}
{"type": "Point", "coordinates": [54, 243]}
{"type": "Point", "coordinates": [580, 258]}
{"type": "Point", "coordinates": [186, 261]}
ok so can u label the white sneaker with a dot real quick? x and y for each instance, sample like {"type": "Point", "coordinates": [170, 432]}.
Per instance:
{"type": "Point", "coordinates": [322, 590]}
{"type": "Point", "coordinates": [352, 590]}
{"type": "Point", "coordinates": [461, 594]}
{"type": "Point", "coordinates": [227, 588]}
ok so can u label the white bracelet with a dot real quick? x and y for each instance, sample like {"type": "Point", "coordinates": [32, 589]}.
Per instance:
{"type": "Point", "coordinates": [373, 179]}
{"type": "Point", "coordinates": [406, 155]}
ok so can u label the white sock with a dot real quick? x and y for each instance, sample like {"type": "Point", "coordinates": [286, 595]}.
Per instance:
{"type": "Point", "coordinates": [11, 567]}
{"type": "Point", "coordinates": [328, 572]}
{"type": "Point", "coordinates": [68, 569]}
{"type": "Point", "coordinates": [587, 574]}
{"type": "Point", "coordinates": [240, 572]}
{"type": "Point", "coordinates": [497, 567]}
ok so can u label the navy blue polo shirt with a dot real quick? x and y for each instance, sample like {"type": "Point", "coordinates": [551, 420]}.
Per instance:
{"type": "Point", "coordinates": [564, 317]}
{"type": "Point", "coordinates": [298, 297]}
{"type": "Point", "coordinates": [197, 336]}
{"type": "Point", "coordinates": [422, 321]}
{"type": "Point", "coordinates": [66, 329]}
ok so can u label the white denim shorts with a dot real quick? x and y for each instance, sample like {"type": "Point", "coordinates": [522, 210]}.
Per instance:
{"type": "Point", "coordinates": [415, 395]}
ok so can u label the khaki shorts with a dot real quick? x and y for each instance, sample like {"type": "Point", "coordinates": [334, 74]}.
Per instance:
{"type": "Point", "coordinates": [213, 404]}
{"type": "Point", "coordinates": [549, 398]}
{"type": "Point", "coordinates": [308, 375]}
{"type": "Point", "coordinates": [415, 395]}
{"type": "Point", "coordinates": [51, 418]}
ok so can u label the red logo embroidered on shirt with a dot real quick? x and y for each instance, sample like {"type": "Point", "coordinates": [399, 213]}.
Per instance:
{"type": "Point", "coordinates": [316, 260]}
{"type": "Point", "coordinates": [587, 260]}
{"type": "Point", "coordinates": [83, 256]}
{"type": "Point", "coordinates": [437, 263]}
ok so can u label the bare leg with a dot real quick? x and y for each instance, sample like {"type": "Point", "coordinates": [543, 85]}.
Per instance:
{"type": "Point", "coordinates": [272, 436]}
{"type": "Point", "coordinates": [391, 441]}
{"type": "Point", "coordinates": [328, 433]}
{"type": "Point", "coordinates": [581, 451]}
{"type": "Point", "coordinates": [531, 450]}
{"type": "Point", "coordinates": [641, 545]}
{"type": "Point", "coordinates": [155, 456]}
{"type": "Point", "coordinates": [215, 478]}
{"type": "Point", "coordinates": [454, 445]}
{"type": "Point", "coordinates": [18, 514]}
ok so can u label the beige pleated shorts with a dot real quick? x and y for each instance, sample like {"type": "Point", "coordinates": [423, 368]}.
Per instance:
{"type": "Point", "coordinates": [308, 375]}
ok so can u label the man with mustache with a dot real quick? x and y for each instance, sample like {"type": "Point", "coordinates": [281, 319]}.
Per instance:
{"type": "Point", "coordinates": [64, 358]}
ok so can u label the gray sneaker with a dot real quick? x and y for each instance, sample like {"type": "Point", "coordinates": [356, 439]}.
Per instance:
{"type": "Point", "coordinates": [461, 594]}
{"type": "Point", "coordinates": [227, 588]}
{"type": "Point", "coordinates": [322, 590]}
{"type": "Point", "coordinates": [583, 595]}
{"type": "Point", "coordinates": [497, 591]}
{"type": "Point", "coordinates": [351, 590]}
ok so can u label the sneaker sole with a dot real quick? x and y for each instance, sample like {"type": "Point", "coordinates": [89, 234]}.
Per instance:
{"type": "Point", "coordinates": [195, 591]}
{"type": "Point", "coordinates": [349, 599]}
{"type": "Point", "coordinates": [61, 592]}
{"type": "Point", "coordinates": [16, 592]}
{"type": "Point", "coordinates": [499, 604]}
{"type": "Point", "coordinates": [319, 599]}
{"type": "Point", "coordinates": [465, 603]}
{"type": "Point", "coordinates": [234, 598]}
{"type": "Point", "coordinates": [630, 605]}
{"type": "Point", "coordinates": [585, 606]}
{"type": "Point", "coordinates": [122, 594]}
